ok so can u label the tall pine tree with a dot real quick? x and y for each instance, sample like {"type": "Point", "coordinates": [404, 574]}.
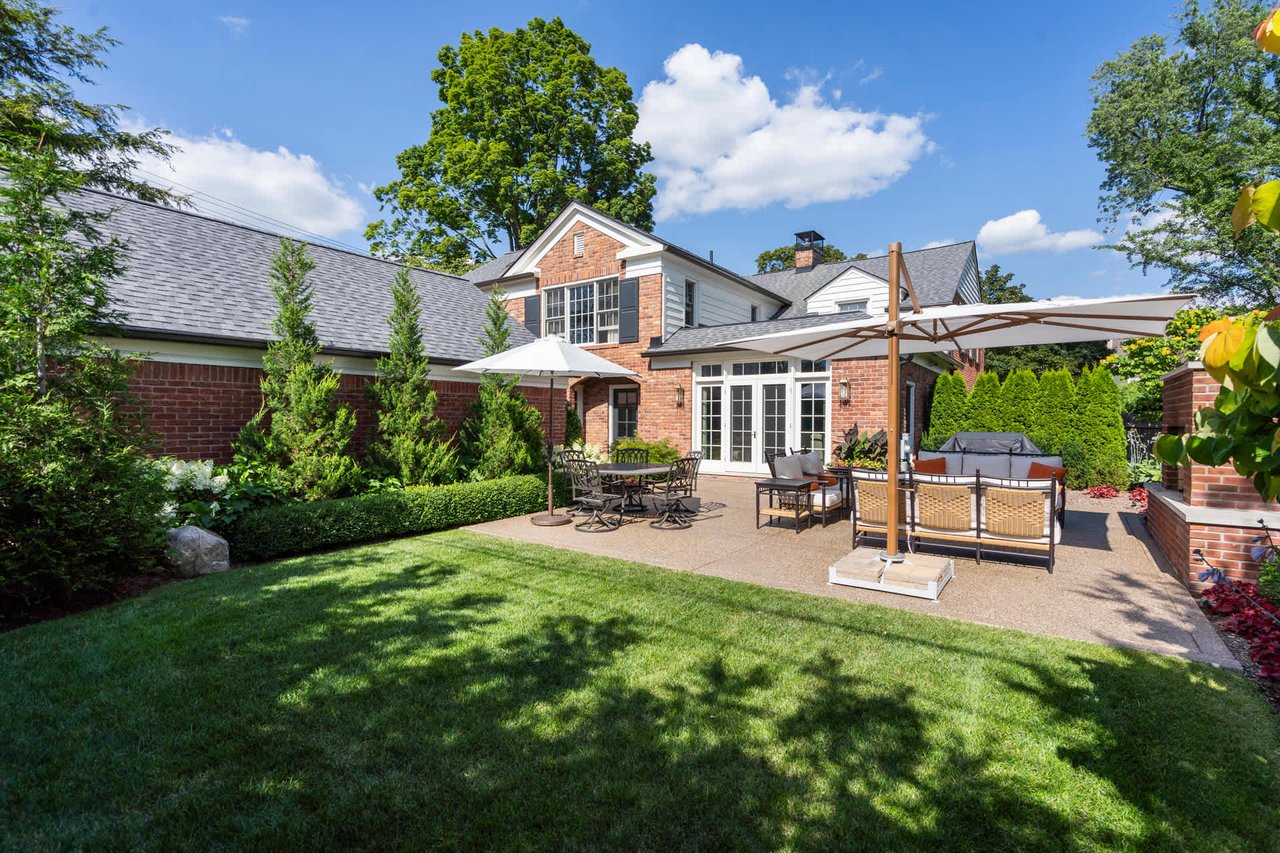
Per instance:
{"type": "Point", "coordinates": [409, 440]}
{"type": "Point", "coordinates": [301, 432]}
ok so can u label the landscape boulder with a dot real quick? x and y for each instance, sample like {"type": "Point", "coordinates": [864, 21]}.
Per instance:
{"type": "Point", "coordinates": [194, 551]}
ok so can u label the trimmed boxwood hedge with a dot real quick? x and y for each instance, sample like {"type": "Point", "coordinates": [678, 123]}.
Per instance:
{"type": "Point", "coordinates": [279, 531]}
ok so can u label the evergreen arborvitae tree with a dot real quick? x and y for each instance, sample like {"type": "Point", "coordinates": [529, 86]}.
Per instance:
{"type": "Point", "coordinates": [949, 411]}
{"type": "Point", "coordinates": [308, 435]}
{"type": "Point", "coordinates": [409, 440]}
{"type": "Point", "coordinates": [502, 434]}
{"type": "Point", "coordinates": [1018, 398]}
{"type": "Point", "coordinates": [984, 404]}
{"type": "Point", "coordinates": [1055, 412]}
{"type": "Point", "coordinates": [1101, 429]}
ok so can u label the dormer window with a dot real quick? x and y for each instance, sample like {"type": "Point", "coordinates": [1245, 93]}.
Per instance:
{"type": "Point", "coordinates": [857, 306]}
{"type": "Point", "coordinates": [690, 303]}
{"type": "Point", "coordinates": [579, 244]}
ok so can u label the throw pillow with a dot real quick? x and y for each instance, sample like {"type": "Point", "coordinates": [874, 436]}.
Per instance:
{"type": "Point", "coordinates": [810, 463]}
{"type": "Point", "coordinates": [788, 468]}
{"type": "Point", "coordinates": [1038, 471]}
{"type": "Point", "coordinates": [931, 466]}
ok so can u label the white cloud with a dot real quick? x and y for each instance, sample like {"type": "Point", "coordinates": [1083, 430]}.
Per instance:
{"type": "Point", "coordinates": [280, 184]}
{"type": "Point", "coordinates": [1024, 232]}
{"type": "Point", "coordinates": [871, 76]}
{"type": "Point", "coordinates": [236, 24]}
{"type": "Point", "coordinates": [721, 141]}
{"type": "Point", "coordinates": [933, 244]}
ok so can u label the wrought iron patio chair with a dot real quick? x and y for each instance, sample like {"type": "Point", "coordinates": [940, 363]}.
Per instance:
{"type": "Point", "coordinates": [631, 454]}
{"type": "Point", "coordinates": [696, 454]}
{"type": "Point", "coordinates": [592, 497]}
{"type": "Point", "coordinates": [670, 495]}
{"type": "Point", "coordinates": [565, 456]}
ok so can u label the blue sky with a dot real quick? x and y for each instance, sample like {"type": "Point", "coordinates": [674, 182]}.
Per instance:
{"type": "Point", "coordinates": [868, 122]}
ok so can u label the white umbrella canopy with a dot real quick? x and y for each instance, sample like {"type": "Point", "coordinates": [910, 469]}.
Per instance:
{"type": "Point", "coordinates": [951, 327]}
{"type": "Point", "coordinates": [549, 357]}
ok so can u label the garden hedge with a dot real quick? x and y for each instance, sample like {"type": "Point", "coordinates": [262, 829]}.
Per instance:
{"type": "Point", "coordinates": [295, 528]}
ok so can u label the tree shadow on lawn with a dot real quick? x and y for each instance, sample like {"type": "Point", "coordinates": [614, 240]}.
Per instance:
{"type": "Point", "coordinates": [421, 706]}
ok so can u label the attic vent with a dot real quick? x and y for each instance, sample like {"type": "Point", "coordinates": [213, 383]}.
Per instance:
{"type": "Point", "coordinates": [579, 244]}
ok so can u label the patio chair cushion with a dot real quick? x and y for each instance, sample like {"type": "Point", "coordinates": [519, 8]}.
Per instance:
{"type": "Point", "coordinates": [810, 463]}
{"type": "Point", "coordinates": [1020, 465]}
{"type": "Point", "coordinates": [827, 498]}
{"type": "Point", "coordinates": [987, 464]}
{"type": "Point", "coordinates": [1037, 471]}
{"type": "Point", "coordinates": [788, 468]}
{"type": "Point", "coordinates": [930, 466]}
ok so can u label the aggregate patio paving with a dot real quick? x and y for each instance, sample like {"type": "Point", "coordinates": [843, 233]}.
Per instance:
{"type": "Point", "coordinates": [1109, 584]}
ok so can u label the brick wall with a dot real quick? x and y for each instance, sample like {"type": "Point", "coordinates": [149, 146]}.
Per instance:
{"type": "Point", "coordinates": [197, 410]}
{"type": "Point", "coordinates": [869, 392]}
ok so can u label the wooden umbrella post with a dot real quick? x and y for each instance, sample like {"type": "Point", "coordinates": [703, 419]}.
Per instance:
{"type": "Point", "coordinates": [551, 518]}
{"type": "Point", "coordinates": [894, 420]}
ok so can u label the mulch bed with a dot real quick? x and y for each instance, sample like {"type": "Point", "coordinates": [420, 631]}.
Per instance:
{"type": "Point", "coordinates": [125, 588]}
{"type": "Point", "coordinates": [1268, 687]}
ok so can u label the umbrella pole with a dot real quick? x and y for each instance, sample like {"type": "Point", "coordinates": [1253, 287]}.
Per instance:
{"type": "Point", "coordinates": [551, 518]}
{"type": "Point", "coordinates": [894, 420]}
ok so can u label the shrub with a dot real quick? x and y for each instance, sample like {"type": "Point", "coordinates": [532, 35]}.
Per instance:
{"type": "Point", "coordinates": [661, 452]}
{"type": "Point", "coordinates": [1269, 578]}
{"type": "Point", "coordinates": [1112, 472]}
{"type": "Point", "coordinates": [1076, 463]}
{"type": "Point", "coordinates": [295, 528]}
{"type": "Point", "coordinates": [1144, 471]}
{"type": "Point", "coordinates": [1019, 399]}
{"type": "Point", "coordinates": [949, 412]}
{"type": "Point", "coordinates": [985, 404]}
{"type": "Point", "coordinates": [1054, 422]}
{"type": "Point", "coordinates": [212, 497]}
{"type": "Point", "coordinates": [1100, 428]}
{"type": "Point", "coordinates": [572, 426]}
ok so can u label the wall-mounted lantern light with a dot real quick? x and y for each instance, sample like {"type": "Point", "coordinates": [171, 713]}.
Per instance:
{"type": "Point", "coordinates": [844, 392]}
{"type": "Point", "coordinates": [679, 396]}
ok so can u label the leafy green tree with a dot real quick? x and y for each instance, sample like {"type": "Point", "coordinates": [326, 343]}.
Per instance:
{"type": "Point", "coordinates": [996, 287]}
{"type": "Point", "coordinates": [409, 439]}
{"type": "Point", "coordinates": [1181, 126]}
{"type": "Point", "coordinates": [40, 61]}
{"type": "Point", "coordinates": [502, 434]}
{"type": "Point", "coordinates": [1019, 398]}
{"type": "Point", "coordinates": [529, 122]}
{"type": "Point", "coordinates": [301, 431]}
{"type": "Point", "coordinates": [984, 404]}
{"type": "Point", "coordinates": [949, 412]}
{"type": "Point", "coordinates": [784, 258]}
{"type": "Point", "coordinates": [1054, 423]}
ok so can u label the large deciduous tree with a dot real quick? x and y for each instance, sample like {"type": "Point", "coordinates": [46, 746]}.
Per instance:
{"type": "Point", "coordinates": [784, 258]}
{"type": "Point", "coordinates": [530, 121]}
{"type": "Point", "coordinates": [1181, 125]}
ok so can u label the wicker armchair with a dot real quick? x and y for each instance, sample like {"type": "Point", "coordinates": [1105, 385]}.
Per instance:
{"type": "Point", "coordinates": [869, 505]}
{"type": "Point", "coordinates": [589, 490]}
{"type": "Point", "coordinates": [670, 494]}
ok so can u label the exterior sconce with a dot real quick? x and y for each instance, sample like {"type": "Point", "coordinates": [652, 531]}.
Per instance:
{"type": "Point", "coordinates": [679, 396]}
{"type": "Point", "coordinates": [844, 392]}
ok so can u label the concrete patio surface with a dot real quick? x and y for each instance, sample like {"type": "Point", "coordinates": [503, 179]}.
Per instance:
{"type": "Point", "coordinates": [1107, 586]}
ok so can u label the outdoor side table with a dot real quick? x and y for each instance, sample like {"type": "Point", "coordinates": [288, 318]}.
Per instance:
{"type": "Point", "coordinates": [776, 488]}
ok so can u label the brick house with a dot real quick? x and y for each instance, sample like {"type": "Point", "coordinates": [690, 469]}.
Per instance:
{"type": "Point", "coordinates": [196, 303]}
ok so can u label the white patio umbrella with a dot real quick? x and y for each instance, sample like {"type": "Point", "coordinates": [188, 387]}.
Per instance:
{"type": "Point", "coordinates": [550, 357]}
{"type": "Point", "coordinates": [950, 327]}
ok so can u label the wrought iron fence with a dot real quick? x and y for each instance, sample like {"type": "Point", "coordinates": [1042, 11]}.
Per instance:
{"type": "Point", "coordinates": [1141, 436]}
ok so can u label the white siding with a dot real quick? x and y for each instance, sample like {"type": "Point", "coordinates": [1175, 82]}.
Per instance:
{"type": "Point", "coordinates": [969, 291]}
{"type": "Point", "coordinates": [719, 300]}
{"type": "Point", "coordinates": [850, 286]}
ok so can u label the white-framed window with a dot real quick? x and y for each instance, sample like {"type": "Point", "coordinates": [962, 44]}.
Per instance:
{"type": "Point", "coordinates": [585, 313]}
{"type": "Point", "coordinates": [690, 303]}
{"type": "Point", "coordinates": [579, 244]}
{"type": "Point", "coordinates": [854, 306]}
{"type": "Point", "coordinates": [626, 412]}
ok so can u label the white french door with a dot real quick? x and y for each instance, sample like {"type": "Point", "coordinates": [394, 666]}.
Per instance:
{"type": "Point", "coordinates": [757, 424]}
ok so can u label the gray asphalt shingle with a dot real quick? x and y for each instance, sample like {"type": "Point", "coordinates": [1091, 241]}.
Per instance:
{"type": "Point", "coordinates": [704, 338]}
{"type": "Point", "coordinates": [192, 277]}
{"type": "Point", "coordinates": [494, 269]}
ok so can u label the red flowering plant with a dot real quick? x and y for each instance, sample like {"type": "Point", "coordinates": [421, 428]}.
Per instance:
{"type": "Point", "coordinates": [1102, 492]}
{"type": "Point", "coordinates": [1246, 609]}
{"type": "Point", "coordinates": [1138, 497]}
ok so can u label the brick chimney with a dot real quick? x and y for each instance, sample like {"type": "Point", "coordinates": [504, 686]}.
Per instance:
{"type": "Point", "coordinates": [808, 250]}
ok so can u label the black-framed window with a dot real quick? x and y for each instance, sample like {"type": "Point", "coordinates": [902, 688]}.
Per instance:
{"type": "Point", "coordinates": [690, 303]}
{"type": "Point", "coordinates": [626, 412]}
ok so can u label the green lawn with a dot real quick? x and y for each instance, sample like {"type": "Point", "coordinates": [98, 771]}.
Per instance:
{"type": "Point", "coordinates": [457, 690]}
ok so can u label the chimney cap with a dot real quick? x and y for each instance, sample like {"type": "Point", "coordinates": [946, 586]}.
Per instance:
{"type": "Point", "coordinates": [809, 238]}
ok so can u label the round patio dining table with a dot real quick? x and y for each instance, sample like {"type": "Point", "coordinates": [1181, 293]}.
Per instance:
{"type": "Point", "coordinates": [632, 470]}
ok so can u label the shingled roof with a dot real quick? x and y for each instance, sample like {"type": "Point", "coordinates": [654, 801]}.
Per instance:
{"type": "Point", "coordinates": [494, 269]}
{"type": "Point", "coordinates": [194, 278]}
{"type": "Point", "coordinates": [936, 274]}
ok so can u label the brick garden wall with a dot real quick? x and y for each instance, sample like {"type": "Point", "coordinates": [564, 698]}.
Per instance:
{"type": "Point", "coordinates": [197, 410]}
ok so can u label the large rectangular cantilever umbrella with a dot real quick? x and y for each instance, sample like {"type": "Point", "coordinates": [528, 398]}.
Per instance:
{"type": "Point", "coordinates": [959, 327]}
{"type": "Point", "coordinates": [550, 357]}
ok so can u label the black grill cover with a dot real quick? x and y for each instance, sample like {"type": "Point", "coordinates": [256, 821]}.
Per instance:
{"type": "Point", "coordinates": [989, 442]}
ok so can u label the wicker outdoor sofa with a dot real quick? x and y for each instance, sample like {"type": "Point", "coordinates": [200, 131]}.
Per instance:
{"type": "Point", "coordinates": [973, 510]}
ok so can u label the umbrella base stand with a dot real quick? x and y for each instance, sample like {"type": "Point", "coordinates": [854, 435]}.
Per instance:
{"type": "Point", "coordinates": [551, 519]}
{"type": "Point", "coordinates": [887, 558]}
{"type": "Point", "coordinates": [921, 576]}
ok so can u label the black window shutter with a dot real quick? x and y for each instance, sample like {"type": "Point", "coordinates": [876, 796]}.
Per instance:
{"type": "Point", "coordinates": [629, 310]}
{"type": "Point", "coordinates": [533, 314]}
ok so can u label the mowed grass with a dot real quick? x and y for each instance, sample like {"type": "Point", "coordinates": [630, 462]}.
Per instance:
{"type": "Point", "coordinates": [462, 691]}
